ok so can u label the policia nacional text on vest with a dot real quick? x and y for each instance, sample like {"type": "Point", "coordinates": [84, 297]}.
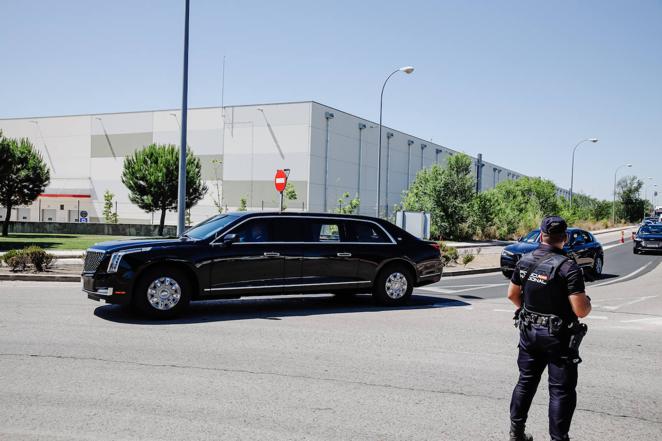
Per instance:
{"type": "Point", "coordinates": [550, 333]}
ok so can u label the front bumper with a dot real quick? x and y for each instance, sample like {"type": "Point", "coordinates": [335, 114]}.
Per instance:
{"type": "Point", "coordinates": [103, 288]}
{"type": "Point", "coordinates": [647, 245]}
{"type": "Point", "coordinates": [508, 262]}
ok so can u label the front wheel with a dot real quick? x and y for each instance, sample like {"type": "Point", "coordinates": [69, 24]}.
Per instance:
{"type": "Point", "coordinates": [597, 267]}
{"type": "Point", "coordinates": [393, 286]}
{"type": "Point", "coordinates": [162, 292]}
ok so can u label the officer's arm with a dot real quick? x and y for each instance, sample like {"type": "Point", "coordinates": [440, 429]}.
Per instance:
{"type": "Point", "coordinates": [579, 301]}
{"type": "Point", "coordinates": [515, 294]}
{"type": "Point", "coordinates": [581, 304]}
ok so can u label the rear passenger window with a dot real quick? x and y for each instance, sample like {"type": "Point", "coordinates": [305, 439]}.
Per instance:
{"type": "Point", "coordinates": [325, 231]}
{"type": "Point", "coordinates": [587, 237]}
{"type": "Point", "coordinates": [365, 232]}
{"type": "Point", "coordinates": [289, 230]}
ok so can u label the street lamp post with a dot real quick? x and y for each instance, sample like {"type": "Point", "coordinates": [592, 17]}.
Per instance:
{"type": "Point", "coordinates": [572, 170]}
{"type": "Point", "coordinates": [181, 196]}
{"type": "Point", "coordinates": [407, 70]}
{"type": "Point", "coordinates": [613, 205]}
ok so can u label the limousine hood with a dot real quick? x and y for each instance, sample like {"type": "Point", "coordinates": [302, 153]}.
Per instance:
{"type": "Point", "coordinates": [118, 245]}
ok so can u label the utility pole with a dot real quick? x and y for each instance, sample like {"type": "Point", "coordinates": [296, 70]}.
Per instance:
{"type": "Point", "coordinates": [181, 196]}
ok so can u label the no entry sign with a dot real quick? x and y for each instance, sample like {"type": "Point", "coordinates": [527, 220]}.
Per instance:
{"type": "Point", "coordinates": [280, 181]}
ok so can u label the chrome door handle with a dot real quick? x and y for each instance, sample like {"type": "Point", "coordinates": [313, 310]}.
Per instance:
{"type": "Point", "coordinates": [344, 254]}
{"type": "Point", "coordinates": [271, 254]}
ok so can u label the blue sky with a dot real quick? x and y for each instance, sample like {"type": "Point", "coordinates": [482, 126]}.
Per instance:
{"type": "Point", "coordinates": [519, 81]}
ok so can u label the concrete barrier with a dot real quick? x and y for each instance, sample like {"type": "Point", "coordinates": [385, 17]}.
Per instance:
{"type": "Point", "coordinates": [93, 228]}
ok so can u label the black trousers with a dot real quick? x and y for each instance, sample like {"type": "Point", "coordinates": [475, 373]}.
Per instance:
{"type": "Point", "coordinates": [539, 349]}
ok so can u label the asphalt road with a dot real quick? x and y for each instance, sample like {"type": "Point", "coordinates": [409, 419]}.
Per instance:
{"type": "Point", "coordinates": [620, 264]}
{"type": "Point", "coordinates": [316, 368]}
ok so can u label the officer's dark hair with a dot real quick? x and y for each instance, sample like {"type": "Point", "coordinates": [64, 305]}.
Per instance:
{"type": "Point", "coordinates": [553, 238]}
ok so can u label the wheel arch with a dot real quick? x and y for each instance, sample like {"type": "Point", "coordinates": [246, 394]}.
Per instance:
{"type": "Point", "coordinates": [397, 261]}
{"type": "Point", "coordinates": [190, 273]}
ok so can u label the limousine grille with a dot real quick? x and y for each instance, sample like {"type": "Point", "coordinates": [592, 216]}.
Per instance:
{"type": "Point", "coordinates": [92, 261]}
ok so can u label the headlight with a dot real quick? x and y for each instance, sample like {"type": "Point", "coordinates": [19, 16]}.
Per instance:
{"type": "Point", "coordinates": [507, 253]}
{"type": "Point", "coordinates": [637, 239]}
{"type": "Point", "coordinates": [116, 258]}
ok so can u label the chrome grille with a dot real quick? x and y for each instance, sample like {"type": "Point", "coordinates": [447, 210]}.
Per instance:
{"type": "Point", "coordinates": [92, 261]}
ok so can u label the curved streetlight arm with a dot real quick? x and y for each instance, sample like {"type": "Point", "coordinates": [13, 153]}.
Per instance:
{"type": "Point", "coordinates": [572, 169]}
{"type": "Point", "coordinates": [379, 148]}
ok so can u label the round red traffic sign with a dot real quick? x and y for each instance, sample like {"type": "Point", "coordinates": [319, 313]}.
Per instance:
{"type": "Point", "coordinates": [280, 181]}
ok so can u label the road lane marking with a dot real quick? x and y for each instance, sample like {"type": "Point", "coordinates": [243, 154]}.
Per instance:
{"type": "Point", "coordinates": [618, 279]}
{"type": "Point", "coordinates": [596, 317]}
{"type": "Point", "coordinates": [654, 320]}
{"type": "Point", "coordinates": [631, 302]}
{"type": "Point", "coordinates": [447, 290]}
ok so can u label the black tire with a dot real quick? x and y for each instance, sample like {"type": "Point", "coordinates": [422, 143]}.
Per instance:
{"type": "Point", "coordinates": [636, 251]}
{"type": "Point", "coordinates": [175, 296]}
{"type": "Point", "coordinates": [598, 266]}
{"type": "Point", "coordinates": [507, 274]}
{"type": "Point", "coordinates": [393, 286]}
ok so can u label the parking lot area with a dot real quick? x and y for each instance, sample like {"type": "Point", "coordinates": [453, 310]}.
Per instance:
{"type": "Point", "coordinates": [315, 368]}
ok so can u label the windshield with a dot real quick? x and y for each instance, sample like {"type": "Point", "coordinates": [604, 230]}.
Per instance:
{"type": "Point", "coordinates": [532, 237]}
{"type": "Point", "coordinates": [650, 229]}
{"type": "Point", "coordinates": [208, 227]}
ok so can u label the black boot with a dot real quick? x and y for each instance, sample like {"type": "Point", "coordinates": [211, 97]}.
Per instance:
{"type": "Point", "coordinates": [517, 434]}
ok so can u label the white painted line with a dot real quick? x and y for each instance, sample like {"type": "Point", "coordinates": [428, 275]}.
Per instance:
{"type": "Point", "coordinates": [608, 247]}
{"type": "Point", "coordinates": [632, 302]}
{"type": "Point", "coordinates": [435, 289]}
{"type": "Point", "coordinates": [512, 311]}
{"type": "Point", "coordinates": [596, 317]}
{"type": "Point", "coordinates": [633, 273]}
{"type": "Point", "coordinates": [647, 319]}
{"type": "Point", "coordinates": [463, 288]}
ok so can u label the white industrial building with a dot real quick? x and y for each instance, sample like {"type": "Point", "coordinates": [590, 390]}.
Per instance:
{"type": "Point", "coordinates": [328, 151]}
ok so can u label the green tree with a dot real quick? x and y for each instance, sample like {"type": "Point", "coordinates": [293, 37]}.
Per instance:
{"type": "Point", "coordinates": [347, 205]}
{"type": "Point", "coordinates": [23, 175]}
{"type": "Point", "coordinates": [446, 192]}
{"type": "Point", "coordinates": [290, 192]}
{"type": "Point", "coordinates": [520, 205]}
{"type": "Point", "coordinates": [632, 206]}
{"type": "Point", "coordinates": [108, 214]}
{"type": "Point", "coordinates": [216, 194]}
{"type": "Point", "coordinates": [151, 175]}
{"type": "Point", "coordinates": [242, 204]}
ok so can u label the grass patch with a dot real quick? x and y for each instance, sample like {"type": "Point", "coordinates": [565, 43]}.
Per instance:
{"type": "Point", "coordinates": [53, 241]}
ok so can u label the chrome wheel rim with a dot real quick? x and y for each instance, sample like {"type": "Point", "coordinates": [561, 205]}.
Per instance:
{"type": "Point", "coordinates": [396, 285]}
{"type": "Point", "coordinates": [598, 266]}
{"type": "Point", "coordinates": [164, 293]}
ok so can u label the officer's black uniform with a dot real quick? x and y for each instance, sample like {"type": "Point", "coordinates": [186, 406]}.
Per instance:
{"type": "Point", "coordinates": [545, 293]}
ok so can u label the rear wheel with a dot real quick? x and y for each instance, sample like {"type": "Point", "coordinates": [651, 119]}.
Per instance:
{"type": "Point", "coordinates": [393, 286]}
{"type": "Point", "coordinates": [162, 292]}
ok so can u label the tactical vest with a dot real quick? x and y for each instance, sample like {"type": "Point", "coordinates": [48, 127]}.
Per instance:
{"type": "Point", "coordinates": [545, 291]}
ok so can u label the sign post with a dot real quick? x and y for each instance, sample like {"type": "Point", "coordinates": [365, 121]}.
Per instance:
{"type": "Point", "coordinates": [280, 182]}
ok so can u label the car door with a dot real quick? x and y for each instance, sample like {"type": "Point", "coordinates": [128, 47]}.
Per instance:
{"type": "Point", "coordinates": [252, 265]}
{"type": "Point", "coordinates": [291, 232]}
{"type": "Point", "coordinates": [581, 250]}
{"type": "Point", "coordinates": [327, 260]}
{"type": "Point", "coordinates": [370, 245]}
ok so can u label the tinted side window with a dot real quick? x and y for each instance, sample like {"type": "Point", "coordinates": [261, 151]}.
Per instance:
{"type": "Point", "coordinates": [254, 230]}
{"type": "Point", "coordinates": [365, 232]}
{"type": "Point", "coordinates": [325, 231]}
{"type": "Point", "coordinates": [587, 237]}
{"type": "Point", "coordinates": [289, 229]}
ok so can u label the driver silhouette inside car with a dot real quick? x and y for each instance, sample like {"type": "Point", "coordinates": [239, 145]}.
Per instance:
{"type": "Point", "coordinates": [256, 233]}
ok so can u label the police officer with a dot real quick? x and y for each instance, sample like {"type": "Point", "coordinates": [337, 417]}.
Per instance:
{"type": "Point", "coordinates": [547, 287]}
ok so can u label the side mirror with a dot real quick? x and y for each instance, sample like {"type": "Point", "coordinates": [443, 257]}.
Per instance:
{"type": "Point", "coordinates": [229, 239]}
{"type": "Point", "coordinates": [519, 239]}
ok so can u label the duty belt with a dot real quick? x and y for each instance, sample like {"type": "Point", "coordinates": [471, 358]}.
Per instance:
{"type": "Point", "coordinates": [553, 322]}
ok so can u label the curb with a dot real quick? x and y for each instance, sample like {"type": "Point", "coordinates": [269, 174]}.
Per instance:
{"type": "Point", "coordinates": [468, 272]}
{"type": "Point", "coordinates": [39, 278]}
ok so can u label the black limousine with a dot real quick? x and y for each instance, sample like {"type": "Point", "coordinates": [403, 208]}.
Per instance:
{"type": "Point", "coordinates": [247, 254]}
